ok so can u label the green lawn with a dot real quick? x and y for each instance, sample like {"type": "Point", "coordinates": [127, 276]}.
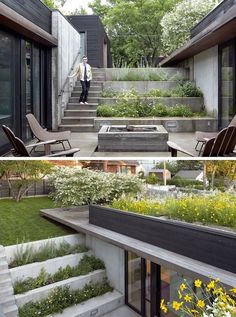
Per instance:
{"type": "Point", "coordinates": [22, 221]}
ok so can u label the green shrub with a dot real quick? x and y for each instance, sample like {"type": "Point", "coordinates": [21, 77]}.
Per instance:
{"type": "Point", "coordinates": [106, 111]}
{"type": "Point", "coordinates": [108, 94]}
{"type": "Point", "coordinates": [152, 179]}
{"type": "Point", "coordinates": [187, 89]}
{"type": "Point", "coordinates": [47, 251]}
{"type": "Point", "coordinates": [86, 265]}
{"type": "Point", "coordinates": [182, 182]}
{"type": "Point", "coordinates": [75, 187]}
{"type": "Point", "coordinates": [61, 298]}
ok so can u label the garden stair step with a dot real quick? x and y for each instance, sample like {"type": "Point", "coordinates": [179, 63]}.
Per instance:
{"type": "Point", "coordinates": [4, 274]}
{"type": "Point", "coordinates": [5, 283]}
{"type": "Point", "coordinates": [90, 100]}
{"type": "Point", "coordinates": [78, 120]}
{"type": "Point", "coordinates": [91, 94]}
{"type": "Point", "coordinates": [11, 311]}
{"type": "Point", "coordinates": [97, 306]}
{"type": "Point", "coordinates": [6, 292]}
{"type": "Point", "coordinates": [80, 113]}
{"type": "Point", "coordinates": [74, 283]}
{"type": "Point", "coordinates": [78, 106]}
{"type": "Point", "coordinates": [77, 127]}
{"type": "Point", "coordinates": [93, 88]}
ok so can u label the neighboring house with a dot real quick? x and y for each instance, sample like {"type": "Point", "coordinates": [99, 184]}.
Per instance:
{"type": "Point", "coordinates": [94, 41]}
{"type": "Point", "coordinates": [160, 173]}
{"type": "Point", "coordinates": [39, 48]}
{"type": "Point", "coordinates": [210, 56]}
{"type": "Point", "coordinates": [191, 175]}
{"type": "Point", "coordinates": [126, 167]}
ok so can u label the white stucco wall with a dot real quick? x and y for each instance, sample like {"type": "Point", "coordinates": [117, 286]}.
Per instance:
{"type": "Point", "coordinates": [113, 257]}
{"type": "Point", "coordinates": [206, 77]}
{"type": "Point", "coordinates": [63, 58]}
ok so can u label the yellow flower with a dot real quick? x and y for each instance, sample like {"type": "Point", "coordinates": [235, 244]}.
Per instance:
{"type": "Point", "coordinates": [182, 287]}
{"type": "Point", "coordinates": [200, 303]}
{"type": "Point", "coordinates": [176, 305]}
{"type": "Point", "coordinates": [188, 298]}
{"type": "Point", "coordinates": [233, 290]}
{"type": "Point", "coordinates": [211, 285]}
{"type": "Point", "coordinates": [198, 283]}
{"type": "Point", "coordinates": [163, 306]}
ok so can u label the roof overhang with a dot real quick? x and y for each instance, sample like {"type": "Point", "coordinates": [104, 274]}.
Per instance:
{"type": "Point", "coordinates": [218, 32]}
{"type": "Point", "coordinates": [19, 24]}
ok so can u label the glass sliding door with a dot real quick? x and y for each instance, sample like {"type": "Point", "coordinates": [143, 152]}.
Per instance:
{"type": "Point", "coordinates": [7, 85]}
{"type": "Point", "coordinates": [227, 106]}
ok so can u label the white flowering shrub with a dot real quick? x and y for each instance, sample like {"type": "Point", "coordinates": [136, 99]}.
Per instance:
{"type": "Point", "coordinates": [75, 187]}
{"type": "Point", "coordinates": [177, 24]}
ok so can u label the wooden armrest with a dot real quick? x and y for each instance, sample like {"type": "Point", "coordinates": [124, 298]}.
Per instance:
{"type": "Point", "coordinates": [174, 148]}
{"type": "Point", "coordinates": [70, 152]}
{"type": "Point", "coordinates": [41, 143]}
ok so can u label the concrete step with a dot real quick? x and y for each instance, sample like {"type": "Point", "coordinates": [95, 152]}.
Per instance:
{"type": "Point", "coordinates": [93, 83]}
{"type": "Point", "coordinates": [5, 283]}
{"type": "Point", "coordinates": [93, 88]}
{"type": "Point", "coordinates": [3, 266]}
{"type": "Point", "coordinates": [78, 120]}
{"type": "Point", "coordinates": [77, 106]}
{"type": "Point", "coordinates": [4, 274]}
{"type": "Point", "coordinates": [8, 301]}
{"type": "Point", "coordinates": [80, 113]}
{"type": "Point", "coordinates": [90, 100]}
{"type": "Point", "coordinates": [77, 127]}
{"type": "Point", "coordinates": [3, 257]}
{"type": "Point", "coordinates": [11, 311]}
{"type": "Point", "coordinates": [6, 292]}
{"type": "Point", "coordinates": [91, 94]}
{"type": "Point", "coordinates": [97, 306]}
{"type": "Point", "coordinates": [74, 283]}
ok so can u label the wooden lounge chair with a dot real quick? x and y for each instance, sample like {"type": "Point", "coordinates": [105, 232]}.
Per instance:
{"type": "Point", "coordinates": [202, 137]}
{"type": "Point", "coordinates": [222, 145]}
{"type": "Point", "coordinates": [43, 135]}
{"type": "Point", "coordinates": [21, 150]}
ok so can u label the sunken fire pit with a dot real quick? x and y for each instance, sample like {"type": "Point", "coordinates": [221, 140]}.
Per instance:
{"type": "Point", "coordinates": [132, 138]}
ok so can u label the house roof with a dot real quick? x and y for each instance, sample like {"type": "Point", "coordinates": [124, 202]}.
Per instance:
{"type": "Point", "coordinates": [158, 170]}
{"type": "Point", "coordinates": [188, 174]}
{"type": "Point", "coordinates": [221, 30]}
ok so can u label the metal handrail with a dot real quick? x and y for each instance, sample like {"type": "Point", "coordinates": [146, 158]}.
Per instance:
{"type": "Point", "coordinates": [67, 78]}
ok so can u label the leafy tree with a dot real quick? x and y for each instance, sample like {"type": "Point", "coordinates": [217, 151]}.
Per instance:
{"type": "Point", "coordinates": [134, 29]}
{"type": "Point", "coordinates": [221, 169]}
{"type": "Point", "coordinates": [177, 24]}
{"type": "Point", "coordinates": [54, 4]}
{"type": "Point", "coordinates": [175, 166]}
{"type": "Point", "coordinates": [22, 175]}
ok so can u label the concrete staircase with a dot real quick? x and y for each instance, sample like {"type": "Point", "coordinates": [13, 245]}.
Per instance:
{"type": "Point", "coordinates": [80, 118]}
{"type": "Point", "coordinates": [7, 298]}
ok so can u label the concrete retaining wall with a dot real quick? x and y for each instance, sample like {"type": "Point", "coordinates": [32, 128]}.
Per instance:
{"type": "Point", "coordinates": [170, 124]}
{"type": "Point", "coordinates": [170, 73]}
{"type": "Point", "coordinates": [140, 86]}
{"type": "Point", "coordinates": [51, 266]}
{"type": "Point", "coordinates": [113, 257]}
{"type": "Point", "coordinates": [74, 283]}
{"type": "Point", "coordinates": [63, 58]}
{"type": "Point", "coordinates": [195, 103]}
{"type": "Point", "coordinates": [72, 239]}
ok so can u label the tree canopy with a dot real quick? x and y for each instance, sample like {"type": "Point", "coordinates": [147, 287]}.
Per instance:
{"type": "Point", "coordinates": [134, 29]}
{"type": "Point", "coordinates": [177, 24]}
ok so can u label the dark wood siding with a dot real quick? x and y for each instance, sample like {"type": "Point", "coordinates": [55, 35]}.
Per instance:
{"type": "Point", "coordinates": [222, 8]}
{"type": "Point", "coordinates": [33, 10]}
{"type": "Point", "coordinates": [96, 36]}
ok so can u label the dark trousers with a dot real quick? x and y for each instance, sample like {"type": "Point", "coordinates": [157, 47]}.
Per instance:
{"type": "Point", "coordinates": [85, 89]}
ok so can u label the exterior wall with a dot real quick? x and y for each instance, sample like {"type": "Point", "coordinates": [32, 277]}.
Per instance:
{"type": "Point", "coordinates": [113, 258]}
{"type": "Point", "coordinates": [64, 58]}
{"type": "Point", "coordinates": [206, 78]}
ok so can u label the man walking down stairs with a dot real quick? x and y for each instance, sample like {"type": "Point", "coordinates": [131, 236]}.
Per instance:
{"type": "Point", "coordinates": [80, 117]}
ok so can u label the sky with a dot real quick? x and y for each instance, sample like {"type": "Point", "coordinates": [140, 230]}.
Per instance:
{"type": "Point", "coordinates": [71, 5]}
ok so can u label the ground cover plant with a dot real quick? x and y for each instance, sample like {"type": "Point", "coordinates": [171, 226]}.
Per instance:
{"type": "Point", "coordinates": [61, 298]}
{"type": "Point", "coordinates": [22, 221]}
{"type": "Point", "coordinates": [75, 187]}
{"type": "Point", "coordinates": [86, 265]}
{"type": "Point", "coordinates": [140, 110]}
{"type": "Point", "coordinates": [215, 209]}
{"type": "Point", "coordinates": [47, 251]}
{"type": "Point", "coordinates": [183, 89]}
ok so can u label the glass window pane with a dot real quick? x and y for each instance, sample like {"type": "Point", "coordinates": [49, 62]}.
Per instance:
{"type": "Point", "coordinates": [6, 83]}
{"type": "Point", "coordinates": [134, 280]}
{"type": "Point", "coordinates": [36, 83]}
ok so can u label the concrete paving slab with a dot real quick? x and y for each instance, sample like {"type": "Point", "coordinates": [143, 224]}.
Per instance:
{"type": "Point", "coordinates": [123, 311]}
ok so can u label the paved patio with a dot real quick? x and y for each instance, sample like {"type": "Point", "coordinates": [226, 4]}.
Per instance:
{"type": "Point", "coordinates": [87, 142]}
{"type": "Point", "coordinates": [123, 311]}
